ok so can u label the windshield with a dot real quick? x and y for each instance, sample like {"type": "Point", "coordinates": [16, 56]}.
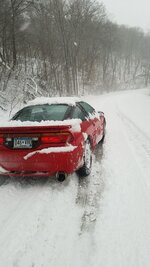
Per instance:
{"type": "Point", "coordinates": [42, 113]}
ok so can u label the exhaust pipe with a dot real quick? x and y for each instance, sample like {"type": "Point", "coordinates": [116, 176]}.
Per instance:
{"type": "Point", "coordinates": [61, 176]}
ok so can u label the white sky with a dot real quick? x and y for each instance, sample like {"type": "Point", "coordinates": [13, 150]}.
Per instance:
{"type": "Point", "coordinates": [129, 12]}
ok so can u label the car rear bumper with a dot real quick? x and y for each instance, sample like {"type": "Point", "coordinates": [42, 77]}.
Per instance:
{"type": "Point", "coordinates": [15, 162]}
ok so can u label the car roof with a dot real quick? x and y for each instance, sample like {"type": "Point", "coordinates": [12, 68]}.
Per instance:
{"type": "Point", "coordinates": [71, 101]}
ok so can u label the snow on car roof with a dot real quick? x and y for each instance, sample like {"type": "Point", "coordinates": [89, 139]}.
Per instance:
{"type": "Point", "coordinates": [54, 100]}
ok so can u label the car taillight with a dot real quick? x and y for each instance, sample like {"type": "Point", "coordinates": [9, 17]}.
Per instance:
{"type": "Point", "coordinates": [56, 138]}
{"type": "Point", "coordinates": [1, 140]}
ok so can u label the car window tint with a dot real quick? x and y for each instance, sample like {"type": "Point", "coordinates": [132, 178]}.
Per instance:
{"type": "Point", "coordinates": [42, 112]}
{"type": "Point", "coordinates": [78, 114]}
{"type": "Point", "coordinates": [23, 115]}
{"type": "Point", "coordinates": [87, 107]}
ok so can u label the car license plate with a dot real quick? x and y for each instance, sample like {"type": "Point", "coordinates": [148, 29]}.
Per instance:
{"type": "Point", "coordinates": [23, 142]}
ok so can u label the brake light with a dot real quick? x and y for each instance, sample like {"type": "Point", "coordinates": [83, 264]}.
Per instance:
{"type": "Point", "coordinates": [1, 140]}
{"type": "Point", "coordinates": [56, 138]}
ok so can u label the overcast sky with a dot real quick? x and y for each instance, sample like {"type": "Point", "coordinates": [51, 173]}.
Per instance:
{"type": "Point", "coordinates": [130, 12]}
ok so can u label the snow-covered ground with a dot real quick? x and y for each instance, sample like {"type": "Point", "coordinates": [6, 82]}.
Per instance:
{"type": "Point", "coordinates": [102, 221]}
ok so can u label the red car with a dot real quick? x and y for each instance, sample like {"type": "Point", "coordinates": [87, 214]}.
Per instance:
{"type": "Point", "coordinates": [51, 136]}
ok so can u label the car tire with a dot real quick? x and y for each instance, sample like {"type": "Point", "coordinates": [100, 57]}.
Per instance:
{"type": "Point", "coordinates": [85, 170]}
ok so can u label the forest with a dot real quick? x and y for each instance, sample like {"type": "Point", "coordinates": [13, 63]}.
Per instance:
{"type": "Point", "coordinates": [67, 47]}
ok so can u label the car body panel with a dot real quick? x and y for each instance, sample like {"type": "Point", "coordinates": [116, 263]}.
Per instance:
{"type": "Point", "coordinates": [48, 159]}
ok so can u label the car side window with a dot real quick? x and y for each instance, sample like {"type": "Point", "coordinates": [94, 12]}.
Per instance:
{"type": "Point", "coordinates": [87, 107]}
{"type": "Point", "coordinates": [78, 114]}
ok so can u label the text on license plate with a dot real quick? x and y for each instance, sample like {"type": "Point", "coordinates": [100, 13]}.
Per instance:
{"type": "Point", "coordinates": [23, 142]}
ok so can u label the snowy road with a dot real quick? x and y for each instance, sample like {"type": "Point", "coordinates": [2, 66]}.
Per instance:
{"type": "Point", "coordinates": [103, 221]}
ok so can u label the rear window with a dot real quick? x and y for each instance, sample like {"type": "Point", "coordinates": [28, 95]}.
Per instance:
{"type": "Point", "coordinates": [42, 113]}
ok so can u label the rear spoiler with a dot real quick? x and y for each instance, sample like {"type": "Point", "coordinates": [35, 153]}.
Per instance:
{"type": "Point", "coordinates": [34, 129]}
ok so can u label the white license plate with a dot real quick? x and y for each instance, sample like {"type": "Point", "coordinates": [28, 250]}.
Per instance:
{"type": "Point", "coordinates": [23, 142]}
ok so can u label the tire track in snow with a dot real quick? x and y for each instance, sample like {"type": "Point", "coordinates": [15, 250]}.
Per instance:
{"type": "Point", "coordinates": [139, 144]}
{"type": "Point", "coordinates": [140, 140]}
{"type": "Point", "coordinates": [90, 191]}
{"type": "Point", "coordinates": [136, 131]}
{"type": "Point", "coordinates": [122, 232]}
